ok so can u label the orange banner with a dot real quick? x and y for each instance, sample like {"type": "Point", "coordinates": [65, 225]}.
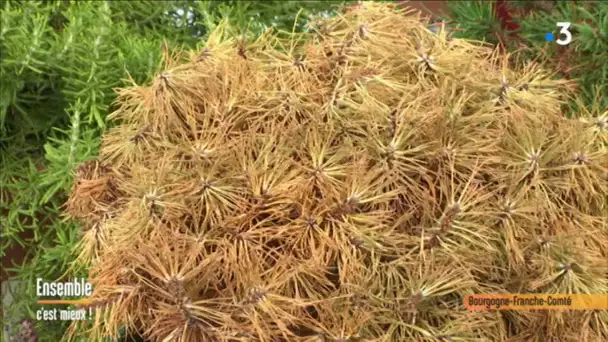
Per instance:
{"type": "Point", "coordinates": [536, 301]}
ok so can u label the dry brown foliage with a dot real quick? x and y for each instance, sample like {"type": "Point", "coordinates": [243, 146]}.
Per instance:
{"type": "Point", "coordinates": [351, 184]}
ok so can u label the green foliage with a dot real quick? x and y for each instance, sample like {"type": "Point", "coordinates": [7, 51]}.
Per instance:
{"type": "Point", "coordinates": [49, 261]}
{"type": "Point", "coordinates": [475, 20]}
{"type": "Point", "coordinates": [60, 64]}
{"type": "Point", "coordinates": [257, 16]}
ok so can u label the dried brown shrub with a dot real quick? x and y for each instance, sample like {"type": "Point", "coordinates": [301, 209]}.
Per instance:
{"type": "Point", "coordinates": [351, 184]}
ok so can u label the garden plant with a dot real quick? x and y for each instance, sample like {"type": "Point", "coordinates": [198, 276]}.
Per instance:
{"type": "Point", "coordinates": [59, 64]}
{"type": "Point", "coordinates": [351, 183]}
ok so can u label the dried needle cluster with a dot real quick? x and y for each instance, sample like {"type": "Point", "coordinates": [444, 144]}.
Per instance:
{"type": "Point", "coordinates": [350, 184]}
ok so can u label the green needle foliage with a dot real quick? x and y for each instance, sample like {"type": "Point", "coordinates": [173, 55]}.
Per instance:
{"type": "Point", "coordinates": [475, 20]}
{"type": "Point", "coordinates": [583, 60]}
{"type": "Point", "coordinates": [60, 61]}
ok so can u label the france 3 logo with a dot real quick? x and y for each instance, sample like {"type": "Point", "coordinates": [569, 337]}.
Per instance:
{"type": "Point", "coordinates": [565, 36]}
